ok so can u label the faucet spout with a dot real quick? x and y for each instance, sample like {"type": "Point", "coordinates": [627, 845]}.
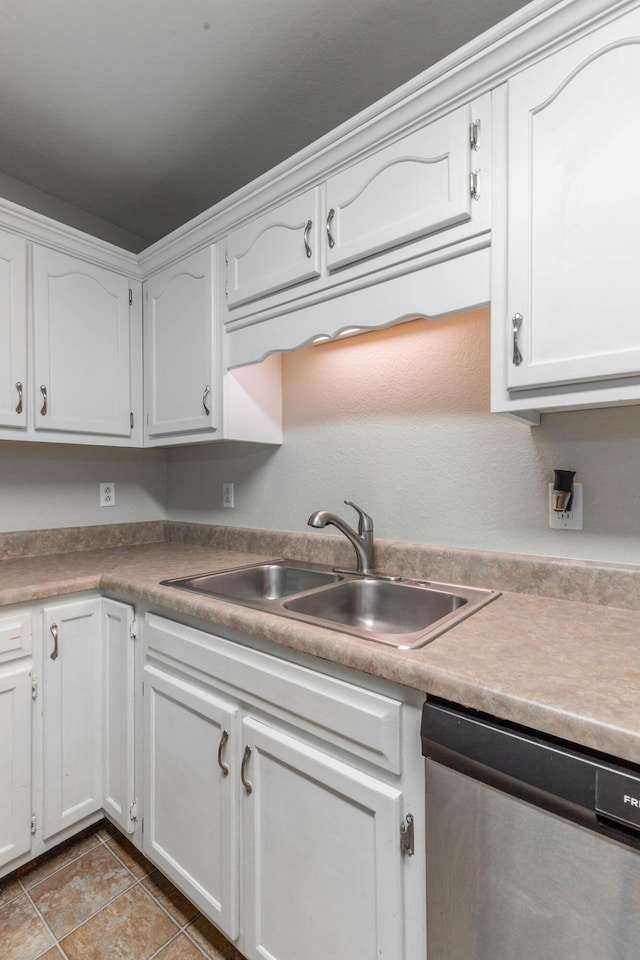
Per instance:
{"type": "Point", "coordinates": [362, 540]}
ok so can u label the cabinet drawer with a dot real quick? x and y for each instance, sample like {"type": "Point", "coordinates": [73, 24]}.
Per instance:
{"type": "Point", "coordinates": [15, 636]}
{"type": "Point", "coordinates": [361, 722]}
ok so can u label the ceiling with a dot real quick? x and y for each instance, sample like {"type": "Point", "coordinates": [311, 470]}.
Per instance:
{"type": "Point", "coordinates": [146, 112]}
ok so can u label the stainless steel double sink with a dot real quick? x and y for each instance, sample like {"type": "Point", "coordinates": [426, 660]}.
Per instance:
{"type": "Point", "coordinates": [400, 612]}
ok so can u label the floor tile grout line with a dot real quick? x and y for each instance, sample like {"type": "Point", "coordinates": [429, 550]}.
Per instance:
{"type": "Point", "coordinates": [189, 936]}
{"type": "Point", "coordinates": [181, 927]}
{"type": "Point", "coordinates": [53, 872]}
{"type": "Point", "coordinates": [43, 921]}
{"type": "Point", "coordinates": [104, 906]}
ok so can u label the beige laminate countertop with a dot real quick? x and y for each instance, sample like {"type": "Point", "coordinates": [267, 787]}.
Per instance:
{"type": "Point", "coordinates": [566, 668]}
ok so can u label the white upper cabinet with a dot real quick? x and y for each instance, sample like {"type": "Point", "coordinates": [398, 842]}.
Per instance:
{"type": "Point", "coordinates": [572, 306]}
{"type": "Point", "coordinates": [410, 189]}
{"type": "Point", "coordinates": [81, 347]}
{"type": "Point", "coordinates": [13, 331]}
{"type": "Point", "coordinates": [277, 250]}
{"type": "Point", "coordinates": [181, 396]}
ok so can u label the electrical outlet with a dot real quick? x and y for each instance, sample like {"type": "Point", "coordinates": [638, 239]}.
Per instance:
{"type": "Point", "coordinates": [227, 495]}
{"type": "Point", "coordinates": [108, 494]}
{"type": "Point", "coordinates": [568, 519]}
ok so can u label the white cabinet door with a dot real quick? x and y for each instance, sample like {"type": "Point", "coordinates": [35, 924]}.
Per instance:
{"type": "Point", "coordinates": [72, 710]}
{"type": "Point", "coordinates": [13, 331]}
{"type": "Point", "coordinates": [322, 855]}
{"type": "Point", "coordinates": [81, 347]}
{"type": "Point", "coordinates": [412, 188]}
{"type": "Point", "coordinates": [574, 193]}
{"type": "Point", "coordinates": [275, 251]}
{"type": "Point", "coordinates": [118, 640]}
{"type": "Point", "coordinates": [191, 782]}
{"type": "Point", "coordinates": [15, 761]}
{"type": "Point", "coordinates": [181, 396]}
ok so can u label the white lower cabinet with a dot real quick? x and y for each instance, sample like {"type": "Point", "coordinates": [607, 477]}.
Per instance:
{"type": "Point", "coordinates": [261, 807]}
{"type": "Point", "coordinates": [118, 725]}
{"type": "Point", "coordinates": [191, 819]}
{"type": "Point", "coordinates": [66, 722]}
{"type": "Point", "coordinates": [15, 761]}
{"type": "Point", "coordinates": [323, 870]}
{"type": "Point", "coordinates": [72, 708]}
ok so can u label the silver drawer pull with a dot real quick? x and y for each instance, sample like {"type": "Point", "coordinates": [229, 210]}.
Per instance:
{"type": "Point", "coordinates": [243, 770]}
{"type": "Point", "coordinates": [330, 236]}
{"type": "Point", "coordinates": [53, 629]}
{"type": "Point", "coordinates": [43, 409]}
{"type": "Point", "coordinates": [207, 391]}
{"type": "Point", "coordinates": [516, 320]}
{"type": "Point", "coordinates": [307, 231]}
{"type": "Point", "coordinates": [19, 389]}
{"type": "Point", "coordinates": [223, 740]}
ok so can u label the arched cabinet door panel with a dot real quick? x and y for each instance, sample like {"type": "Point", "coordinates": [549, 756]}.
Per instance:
{"type": "Point", "coordinates": [81, 347]}
{"type": "Point", "coordinates": [573, 312]}
{"type": "Point", "coordinates": [413, 188]}
{"type": "Point", "coordinates": [180, 380]}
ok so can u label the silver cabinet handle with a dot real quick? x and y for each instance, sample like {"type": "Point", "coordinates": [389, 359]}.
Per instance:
{"type": "Point", "coordinates": [53, 629]}
{"type": "Point", "coordinates": [223, 740]}
{"type": "Point", "coordinates": [516, 320]}
{"type": "Point", "coordinates": [43, 409]}
{"type": "Point", "coordinates": [19, 389]}
{"type": "Point", "coordinates": [330, 237]}
{"type": "Point", "coordinates": [307, 231]}
{"type": "Point", "coordinates": [243, 770]}
{"type": "Point", "coordinates": [207, 391]}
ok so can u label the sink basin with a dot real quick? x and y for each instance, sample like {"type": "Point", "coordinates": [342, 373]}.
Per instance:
{"type": "Point", "coordinates": [401, 613]}
{"type": "Point", "coordinates": [263, 581]}
{"type": "Point", "coordinates": [378, 606]}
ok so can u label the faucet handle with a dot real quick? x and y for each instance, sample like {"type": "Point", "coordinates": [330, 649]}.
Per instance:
{"type": "Point", "coordinates": [365, 522]}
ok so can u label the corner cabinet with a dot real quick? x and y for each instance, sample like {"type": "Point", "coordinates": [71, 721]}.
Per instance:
{"type": "Point", "coordinates": [189, 396]}
{"type": "Point", "coordinates": [66, 716]}
{"type": "Point", "coordinates": [15, 742]}
{"type": "Point", "coordinates": [178, 321]}
{"type": "Point", "coordinates": [566, 314]}
{"type": "Point", "coordinates": [297, 785]}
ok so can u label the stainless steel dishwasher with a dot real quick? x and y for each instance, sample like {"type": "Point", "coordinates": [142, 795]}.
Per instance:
{"type": "Point", "coordinates": [533, 845]}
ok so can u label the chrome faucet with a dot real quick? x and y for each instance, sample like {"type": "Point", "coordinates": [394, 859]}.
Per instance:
{"type": "Point", "coordinates": [362, 540]}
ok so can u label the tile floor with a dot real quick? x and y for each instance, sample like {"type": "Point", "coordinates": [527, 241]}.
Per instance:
{"type": "Point", "coordinates": [99, 898]}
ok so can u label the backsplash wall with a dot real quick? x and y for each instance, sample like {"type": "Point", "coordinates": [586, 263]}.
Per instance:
{"type": "Point", "coordinates": [44, 485]}
{"type": "Point", "coordinates": [398, 421]}
{"type": "Point", "coordinates": [395, 420]}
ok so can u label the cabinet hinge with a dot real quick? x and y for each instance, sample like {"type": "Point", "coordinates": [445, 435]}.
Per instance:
{"type": "Point", "coordinates": [474, 135]}
{"type": "Point", "coordinates": [34, 689]}
{"type": "Point", "coordinates": [130, 296]}
{"type": "Point", "coordinates": [474, 185]}
{"type": "Point", "coordinates": [33, 822]}
{"type": "Point", "coordinates": [406, 836]}
{"type": "Point", "coordinates": [133, 810]}
{"type": "Point", "coordinates": [133, 629]}
{"type": "Point", "coordinates": [131, 420]}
